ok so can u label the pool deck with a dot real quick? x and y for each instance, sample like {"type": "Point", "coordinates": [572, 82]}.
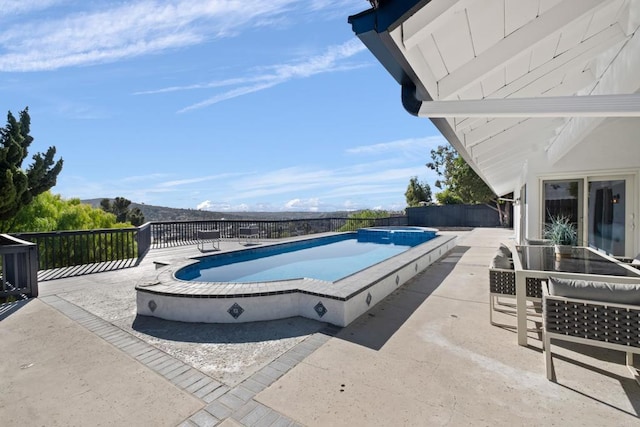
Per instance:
{"type": "Point", "coordinates": [425, 355]}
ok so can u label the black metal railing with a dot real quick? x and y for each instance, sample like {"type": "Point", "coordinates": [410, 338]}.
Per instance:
{"type": "Point", "coordinates": [108, 249]}
{"type": "Point", "coordinates": [62, 249]}
{"type": "Point", "coordinates": [166, 234]}
{"type": "Point", "coordinates": [178, 233]}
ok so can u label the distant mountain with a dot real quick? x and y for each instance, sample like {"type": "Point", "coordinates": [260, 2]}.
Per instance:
{"type": "Point", "coordinates": [162, 213]}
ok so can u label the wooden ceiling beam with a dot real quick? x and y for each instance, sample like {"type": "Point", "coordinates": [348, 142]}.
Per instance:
{"type": "Point", "coordinates": [514, 45]}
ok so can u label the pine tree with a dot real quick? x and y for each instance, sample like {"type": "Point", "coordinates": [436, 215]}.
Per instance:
{"type": "Point", "coordinates": [120, 208]}
{"type": "Point", "coordinates": [417, 193]}
{"type": "Point", "coordinates": [18, 187]}
{"type": "Point", "coordinates": [135, 217]}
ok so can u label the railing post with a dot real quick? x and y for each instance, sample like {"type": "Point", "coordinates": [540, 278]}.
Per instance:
{"type": "Point", "coordinates": [143, 238]}
{"type": "Point", "coordinates": [33, 264]}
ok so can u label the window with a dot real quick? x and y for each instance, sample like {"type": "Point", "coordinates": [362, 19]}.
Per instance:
{"type": "Point", "coordinates": [600, 207]}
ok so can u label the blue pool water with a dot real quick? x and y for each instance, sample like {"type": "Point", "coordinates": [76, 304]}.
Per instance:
{"type": "Point", "coordinates": [327, 258]}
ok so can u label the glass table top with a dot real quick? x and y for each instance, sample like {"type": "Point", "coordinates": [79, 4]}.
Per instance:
{"type": "Point", "coordinates": [581, 261]}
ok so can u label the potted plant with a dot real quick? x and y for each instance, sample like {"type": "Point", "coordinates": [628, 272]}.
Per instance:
{"type": "Point", "coordinates": [562, 233]}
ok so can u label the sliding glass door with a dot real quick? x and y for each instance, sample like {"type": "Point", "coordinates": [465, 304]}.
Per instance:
{"type": "Point", "coordinates": [563, 198]}
{"type": "Point", "coordinates": [598, 206]}
{"type": "Point", "coordinates": [607, 213]}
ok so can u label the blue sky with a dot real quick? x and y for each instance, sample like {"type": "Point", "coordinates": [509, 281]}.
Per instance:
{"type": "Point", "coordinates": [209, 104]}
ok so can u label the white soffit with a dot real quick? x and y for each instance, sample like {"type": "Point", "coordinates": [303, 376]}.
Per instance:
{"type": "Point", "coordinates": [491, 65]}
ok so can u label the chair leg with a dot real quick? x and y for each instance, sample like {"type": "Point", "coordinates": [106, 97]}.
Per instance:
{"type": "Point", "coordinates": [632, 368]}
{"type": "Point", "coordinates": [491, 310]}
{"type": "Point", "coordinates": [494, 304]}
{"type": "Point", "coordinates": [548, 358]}
{"type": "Point", "coordinates": [508, 305]}
{"type": "Point", "coordinates": [492, 307]}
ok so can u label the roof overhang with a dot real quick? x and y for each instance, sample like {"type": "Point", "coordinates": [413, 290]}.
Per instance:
{"type": "Point", "coordinates": [513, 85]}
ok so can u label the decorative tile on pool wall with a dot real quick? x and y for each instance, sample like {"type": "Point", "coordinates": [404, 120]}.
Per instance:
{"type": "Point", "coordinates": [235, 310]}
{"type": "Point", "coordinates": [320, 309]}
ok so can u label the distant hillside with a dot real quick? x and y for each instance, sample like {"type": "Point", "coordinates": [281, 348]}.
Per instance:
{"type": "Point", "coordinates": [162, 213]}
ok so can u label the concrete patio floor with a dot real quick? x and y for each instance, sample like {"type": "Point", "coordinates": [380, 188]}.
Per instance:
{"type": "Point", "coordinates": [426, 355]}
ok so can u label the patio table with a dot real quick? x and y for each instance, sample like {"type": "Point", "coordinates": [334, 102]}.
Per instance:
{"type": "Point", "coordinates": [537, 263]}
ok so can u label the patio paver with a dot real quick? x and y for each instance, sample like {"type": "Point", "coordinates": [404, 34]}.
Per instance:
{"type": "Point", "coordinates": [56, 372]}
{"type": "Point", "coordinates": [426, 355]}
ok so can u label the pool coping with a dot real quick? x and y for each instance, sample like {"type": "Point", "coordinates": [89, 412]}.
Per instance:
{"type": "Point", "coordinates": [165, 296]}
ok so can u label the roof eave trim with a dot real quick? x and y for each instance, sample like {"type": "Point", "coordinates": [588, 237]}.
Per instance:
{"type": "Point", "coordinates": [386, 17]}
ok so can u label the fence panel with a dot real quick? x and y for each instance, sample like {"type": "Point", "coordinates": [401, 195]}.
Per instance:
{"type": "Point", "coordinates": [453, 216]}
{"type": "Point", "coordinates": [143, 239]}
{"type": "Point", "coordinates": [18, 267]}
{"type": "Point", "coordinates": [63, 249]}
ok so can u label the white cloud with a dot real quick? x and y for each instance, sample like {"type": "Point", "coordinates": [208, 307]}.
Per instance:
{"type": "Point", "coordinates": [188, 181]}
{"type": "Point", "coordinates": [365, 178]}
{"type": "Point", "coordinates": [241, 208]}
{"type": "Point", "coordinates": [83, 188]}
{"type": "Point", "coordinates": [312, 205]}
{"type": "Point", "coordinates": [316, 5]}
{"type": "Point", "coordinates": [245, 90]}
{"type": "Point", "coordinates": [206, 205]}
{"type": "Point", "coordinates": [142, 178]}
{"type": "Point", "coordinates": [80, 110]}
{"type": "Point", "coordinates": [14, 7]}
{"type": "Point", "coordinates": [116, 30]}
{"type": "Point", "coordinates": [350, 205]}
{"type": "Point", "coordinates": [209, 85]}
{"type": "Point", "coordinates": [410, 146]}
{"type": "Point", "coordinates": [302, 187]}
{"type": "Point", "coordinates": [329, 61]}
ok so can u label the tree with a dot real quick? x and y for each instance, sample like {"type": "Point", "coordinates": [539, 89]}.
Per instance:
{"type": "Point", "coordinates": [105, 205]}
{"type": "Point", "coordinates": [18, 187]}
{"type": "Point", "coordinates": [417, 193]}
{"type": "Point", "coordinates": [120, 208]}
{"type": "Point", "coordinates": [445, 197]}
{"type": "Point", "coordinates": [462, 183]}
{"type": "Point", "coordinates": [49, 212]}
{"type": "Point", "coordinates": [364, 218]}
{"type": "Point", "coordinates": [135, 217]}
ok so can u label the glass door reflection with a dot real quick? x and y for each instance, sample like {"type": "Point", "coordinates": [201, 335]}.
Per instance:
{"type": "Point", "coordinates": [606, 219]}
{"type": "Point", "coordinates": [564, 198]}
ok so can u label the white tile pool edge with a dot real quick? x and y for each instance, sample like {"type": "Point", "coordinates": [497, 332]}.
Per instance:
{"type": "Point", "coordinates": [338, 303]}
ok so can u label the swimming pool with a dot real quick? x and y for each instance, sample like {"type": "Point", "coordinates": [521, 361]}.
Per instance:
{"type": "Point", "coordinates": [338, 302]}
{"type": "Point", "coordinates": [327, 258]}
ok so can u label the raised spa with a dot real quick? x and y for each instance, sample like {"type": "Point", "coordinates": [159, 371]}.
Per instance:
{"type": "Point", "coordinates": [332, 278]}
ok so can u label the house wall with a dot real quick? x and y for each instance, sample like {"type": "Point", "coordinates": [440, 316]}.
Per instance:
{"type": "Point", "coordinates": [612, 149]}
